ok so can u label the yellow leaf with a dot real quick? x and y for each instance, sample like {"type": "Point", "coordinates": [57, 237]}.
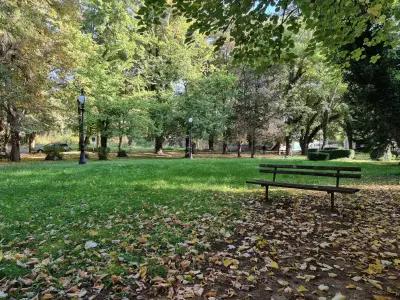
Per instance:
{"type": "Point", "coordinates": [251, 278]}
{"type": "Point", "coordinates": [1, 255]}
{"type": "Point", "coordinates": [396, 261]}
{"type": "Point", "coordinates": [350, 286]}
{"type": "Point", "coordinates": [143, 272]}
{"type": "Point", "coordinates": [375, 268]}
{"type": "Point", "coordinates": [274, 264]}
{"type": "Point", "coordinates": [379, 297]}
{"type": "Point", "coordinates": [229, 262]}
{"type": "Point", "coordinates": [261, 244]}
{"type": "Point", "coordinates": [302, 289]}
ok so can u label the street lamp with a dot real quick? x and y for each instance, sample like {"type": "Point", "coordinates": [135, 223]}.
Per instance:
{"type": "Point", "coordinates": [190, 138]}
{"type": "Point", "coordinates": [81, 110]}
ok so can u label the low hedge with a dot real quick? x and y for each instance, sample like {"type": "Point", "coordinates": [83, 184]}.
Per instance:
{"type": "Point", "coordinates": [317, 156]}
{"type": "Point", "coordinates": [312, 150]}
{"type": "Point", "coordinates": [330, 154]}
{"type": "Point", "coordinates": [339, 153]}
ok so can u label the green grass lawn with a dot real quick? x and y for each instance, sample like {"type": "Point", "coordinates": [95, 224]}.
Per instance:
{"type": "Point", "coordinates": [53, 208]}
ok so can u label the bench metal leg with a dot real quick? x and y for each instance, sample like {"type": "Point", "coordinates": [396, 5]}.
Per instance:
{"type": "Point", "coordinates": [266, 192]}
{"type": "Point", "coordinates": [332, 201]}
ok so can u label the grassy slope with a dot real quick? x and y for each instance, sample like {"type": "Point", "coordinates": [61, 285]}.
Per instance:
{"type": "Point", "coordinates": [60, 205]}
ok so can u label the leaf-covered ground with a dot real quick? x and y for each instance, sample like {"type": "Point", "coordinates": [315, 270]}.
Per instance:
{"type": "Point", "coordinates": [154, 230]}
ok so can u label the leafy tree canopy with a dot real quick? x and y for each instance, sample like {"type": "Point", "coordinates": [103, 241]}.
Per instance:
{"type": "Point", "coordinates": [266, 28]}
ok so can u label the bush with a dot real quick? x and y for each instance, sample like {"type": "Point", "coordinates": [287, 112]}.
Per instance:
{"type": "Point", "coordinates": [381, 154]}
{"type": "Point", "coordinates": [338, 153]}
{"type": "Point", "coordinates": [103, 153]}
{"type": "Point", "coordinates": [312, 150]}
{"type": "Point", "coordinates": [122, 153]}
{"type": "Point", "coordinates": [331, 148]}
{"type": "Point", "coordinates": [317, 156]}
{"type": "Point", "coordinates": [53, 152]}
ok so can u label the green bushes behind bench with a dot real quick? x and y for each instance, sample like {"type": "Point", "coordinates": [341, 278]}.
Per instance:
{"type": "Point", "coordinates": [317, 156]}
{"type": "Point", "coordinates": [330, 154]}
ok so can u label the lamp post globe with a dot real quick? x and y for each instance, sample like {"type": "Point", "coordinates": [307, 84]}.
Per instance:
{"type": "Point", "coordinates": [81, 110]}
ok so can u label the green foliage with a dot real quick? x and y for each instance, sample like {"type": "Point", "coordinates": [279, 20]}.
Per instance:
{"type": "Point", "coordinates": [209, 100]}
{"type": "Point", "coordinates": [339, 153]}
{"type": "Point", "coordinates": [102, 153]}
{"type": "Point", "coordinates": [318, 156]}
{"type": "Point", "coordinates": [53, 152]}
{"type": "Point", "coordinates": [262, 29]}
{"type": "Point", "coordinates": [381, 153]}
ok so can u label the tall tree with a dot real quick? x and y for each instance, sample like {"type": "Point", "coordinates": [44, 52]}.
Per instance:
{"type": "Point", "coordinates": [258, 101]}
{"type": "Point", "coordinates": [36, 41]}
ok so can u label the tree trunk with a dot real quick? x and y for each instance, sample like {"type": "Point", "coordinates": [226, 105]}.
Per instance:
{"type": "Point", "coordinates": [304, 146]}
{"type": "Point", "coordinates": [211, 142]}
{"type": "Point", "coordinates": [276, 147]}
{"type": "Point", "coordinates": [119, 143]}
{"type": "Point", "coordinates": [103, 151]}
{"type": "Point", "coordinates": [103, 141]}
{"type": "Point", "coordinates": [187, 154]}
{"type": "Point", "coordinates": [158, 145]}
{"type": "Point", "coordinates": [324, 124]}
{"type": "Point", "coordinates": [31, 141]}
{"type": "Point", "coordinates": [349, 132]}
{"type": "Point", "coordinates": [239, 149]}
{"type": "Point", "coordinates": [253, 144]}
{"type": "Point", "coordinates": [224, 148]}
{"type": "Point", "coordinates": [130, 141]}
{"type": "Point", "coordinates": [14, 121]}
{"type": "Point", "coordinates": [288, 141]}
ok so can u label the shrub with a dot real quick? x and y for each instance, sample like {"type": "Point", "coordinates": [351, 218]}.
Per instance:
{"type": "Point", "coordinates": [331, 148]}
{"type": "Point", "coordinates": [338, 153]}
{"type": "Point", "coordinates": [103, 153]}
{"type": "Point", "coordinates": [317, 156]}
{"type": "Point", "coordinates": [53, 152]}
{"type": "Point", "coordinates": [312, 150]}
{"type": "Point", "coordinates": [122, 153]}
{"type": "Point", "coordinates": [381, 154]}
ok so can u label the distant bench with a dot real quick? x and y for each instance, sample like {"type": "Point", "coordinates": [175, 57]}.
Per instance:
{"type": "Point", "coordinates": [324, 171]}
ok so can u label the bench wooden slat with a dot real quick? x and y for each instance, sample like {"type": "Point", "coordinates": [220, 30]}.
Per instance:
{"type": "Point", "coordinates": [310, 173]}
{"type": "Point", "coordinates": [325, 188]}
{"type": "Point", "coordinates": [311, 167]}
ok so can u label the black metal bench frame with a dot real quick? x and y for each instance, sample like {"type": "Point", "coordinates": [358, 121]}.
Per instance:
{"type": "Point", "coordinates": [309, 170]}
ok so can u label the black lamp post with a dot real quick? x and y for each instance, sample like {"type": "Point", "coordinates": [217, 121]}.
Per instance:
{"type": "Point", "coordinates": [190, 138]}
{"type": "Point", "coordinates": [81, 110]}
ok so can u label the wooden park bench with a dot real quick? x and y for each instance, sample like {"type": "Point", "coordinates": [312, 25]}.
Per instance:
{"type": "Point", "coordinates": [324, 171]}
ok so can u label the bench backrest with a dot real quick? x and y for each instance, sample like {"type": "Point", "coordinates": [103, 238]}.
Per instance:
{"type": "Point", "coordinates": [310, 170]}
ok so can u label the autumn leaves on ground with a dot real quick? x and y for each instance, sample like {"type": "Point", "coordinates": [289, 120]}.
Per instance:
{"type": "Point", "coordinates": [180, 229]}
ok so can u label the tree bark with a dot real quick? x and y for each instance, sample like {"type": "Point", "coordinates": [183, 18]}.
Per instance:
{"type": "Point", "coordinates": [304, 146]}
{"type": "Point", "coordinates": [158, 144]}
{"type": "Point", "coordinates": [119, 143]}
{"type": "Point", "coordinates": [31, 141]}
{"type": "Point", "coordinates": [103, 140]}
{"type": "Point", "coordinates": [288, 141]}
{"type": "Point", "coordinates": [14, 121]}
{"type": "Point", "coordinates": [349, 132]}
{"type": "Point", "coordinates": [187, 154]}
{"type": "Point", "coordinates": [239, 149]}
{"type": "Point", "coordinates": [103, 151]}
{"type": "Point", "coordinates": [211, 142]}
{"type": "Point", "coordinates": [224, 148]}
{"type": "Point", "coordinates": [130, 141]}
{"type": "Point", "coordinates": [253, 144]}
